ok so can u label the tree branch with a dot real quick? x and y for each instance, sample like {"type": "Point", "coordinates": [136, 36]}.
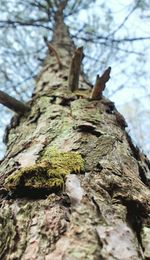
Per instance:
{"type": "Point", "coordinates": [100, 84]}
{"type": "Point", "coordinates": [105, 39]}
{"type": "Point", "coordinates": [32, 23]}
{"type": "Point", "coordinates": [74, 71]}
{"type": "Point", "coordinates": [52, 49]}
{"type": "Point", "coordinates": [13, 104]}
{"type": "Point", "coordinates": [125, 19]}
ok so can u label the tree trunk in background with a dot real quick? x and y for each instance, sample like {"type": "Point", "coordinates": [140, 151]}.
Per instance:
{"type": "Point", "coordinates": [101, 212]}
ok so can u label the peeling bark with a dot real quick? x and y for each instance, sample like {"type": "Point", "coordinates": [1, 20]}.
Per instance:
{"type": "Point", "coordinates": [101, 213]}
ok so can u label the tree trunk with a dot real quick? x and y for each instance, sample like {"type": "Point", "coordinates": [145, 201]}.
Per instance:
{"type": "Point", "coordinates": [73, 185]}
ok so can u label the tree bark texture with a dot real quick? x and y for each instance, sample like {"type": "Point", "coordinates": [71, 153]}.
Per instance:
{"type": "Point", "coordinates": [101, 212]}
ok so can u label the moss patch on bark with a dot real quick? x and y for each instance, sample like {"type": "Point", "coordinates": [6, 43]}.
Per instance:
{"type": "Point", "coordinates": [48, 175]}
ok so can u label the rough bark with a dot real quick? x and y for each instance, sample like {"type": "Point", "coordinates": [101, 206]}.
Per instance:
{"type": "Point", "coordinates": [101, 212]}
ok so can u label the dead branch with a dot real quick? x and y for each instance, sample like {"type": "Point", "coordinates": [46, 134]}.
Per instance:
{"type": "Point", "coordinates": [74, 71]}
{"type": "Point", "coordinates": [53, 50]}
{"type": "Point", "coordinates": [100, 84]}
{"type": "Point", "coordinates": [13, 104]}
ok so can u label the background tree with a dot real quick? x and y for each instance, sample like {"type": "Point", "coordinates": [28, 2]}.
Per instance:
{"type": "Point", "coordinates": [73, 185]}
{"type": "Point", "coordinates": [111, 35]}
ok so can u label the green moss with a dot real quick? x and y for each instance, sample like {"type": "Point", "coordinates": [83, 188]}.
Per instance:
{"type": "Point", "coordinates": [64, 162]}
{"type": "Point", "coordinates": [48, 174]}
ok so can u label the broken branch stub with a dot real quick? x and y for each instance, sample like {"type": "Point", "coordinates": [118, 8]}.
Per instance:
{"type": "Point", "coordinates": [74, 71]}
{"type": "Point", "coordinates": [52, 49]}
{"type": "Point", "coordinates": [13, 104]}
{"type": "Point", "coordinates": [100, 84]}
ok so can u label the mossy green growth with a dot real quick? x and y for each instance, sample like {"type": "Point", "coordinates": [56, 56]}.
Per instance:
{"type": "Point", "coordinates": [64, 162]}
{"type": "Point", "coordinates": [48, 174]}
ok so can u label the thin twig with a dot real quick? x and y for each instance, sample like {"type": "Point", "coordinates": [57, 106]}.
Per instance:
{"type": "Point", "coordinates": [125, 19]}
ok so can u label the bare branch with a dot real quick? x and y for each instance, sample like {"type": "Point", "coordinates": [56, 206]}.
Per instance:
{"type": "Point", "coordinates": [32, 23]}
{"type": "Point", "coordinates": [131, 39]}
{"type": "Point", "coordinates": [106, 39]}
{"type": "Point", "coordinates": [74, 71]}
{"type": "Point", "coordinates": [13, 104]}
{"type": "Point", "coordinates": [100, 84]}
{"type": "Point", "coordinates": [125, 19]}
{"type": "Point", "coordinates": [52, 49]}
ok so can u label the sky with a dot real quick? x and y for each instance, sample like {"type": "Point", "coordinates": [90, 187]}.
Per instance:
{"type": "Point", "coordinates": [131, 91]}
